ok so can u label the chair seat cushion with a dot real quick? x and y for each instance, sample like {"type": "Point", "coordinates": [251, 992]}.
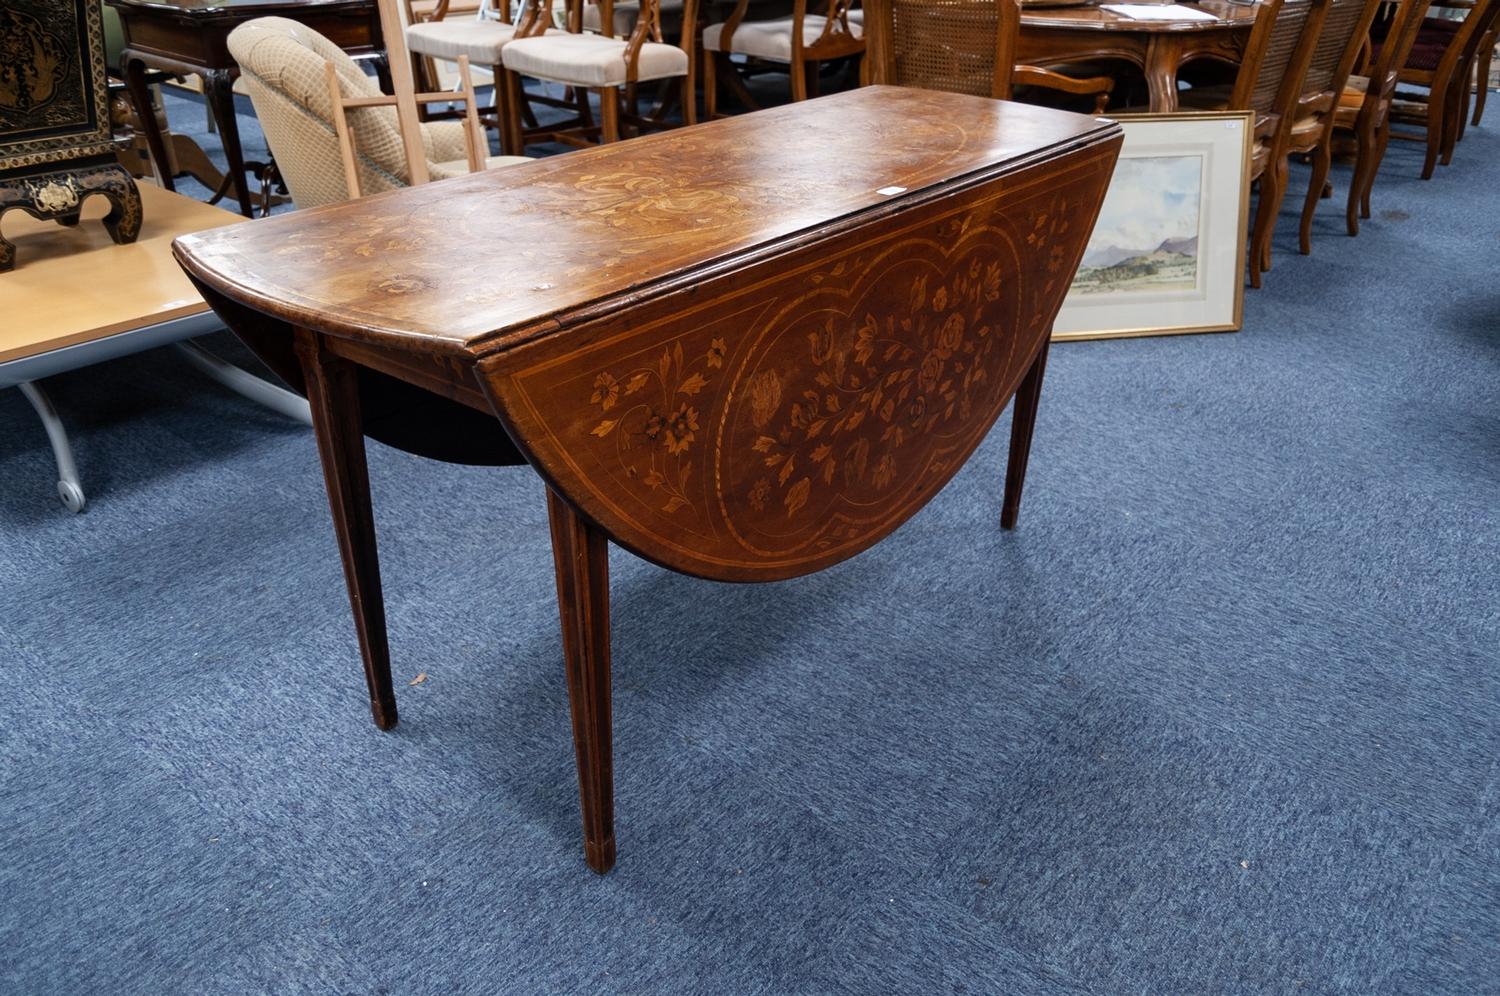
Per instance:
{"type": "Point", "coordinates": [1354, 92]}
{"type": "Point", "coordinates": [590, 60]}
{"type": "Point", "coordinates": [460, 167]}
{"type": "Point", "coordinates": [626, 11]}
{"type": "Point", "coordinates": [772, 40]}
{"type": "Point", "coordinates": [481, 41]}
{"type": "Point", "coordinates": [1426, 53]}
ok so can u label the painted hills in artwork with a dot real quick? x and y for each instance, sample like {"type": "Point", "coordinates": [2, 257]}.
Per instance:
{"type": "Point", "coordinates": [1171, 266]}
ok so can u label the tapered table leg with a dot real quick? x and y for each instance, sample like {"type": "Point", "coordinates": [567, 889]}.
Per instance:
{"type": "Point", "coordinates": [1023, 420]}
{"type": "Point", "coordinates": [582, 556]}
{"type": "Point", "coordinates": [333, 395]}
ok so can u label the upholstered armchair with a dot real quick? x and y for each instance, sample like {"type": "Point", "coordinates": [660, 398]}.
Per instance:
{"type": "Point", "coordinates": [283, 66]}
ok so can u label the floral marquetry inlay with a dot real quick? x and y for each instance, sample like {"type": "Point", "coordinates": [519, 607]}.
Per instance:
{"type": "Point", "coordinates": [862, 389]}
{"type": "Point", "coordinates": [651, 415]}
{"type": "Point", "coordinates": [790, 420]}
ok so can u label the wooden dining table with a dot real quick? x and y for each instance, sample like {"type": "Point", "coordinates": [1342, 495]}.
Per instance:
{"type": "Point", "coordinates": [1061, 35]}
{"type": "Point", "coordinates": [746, 350]}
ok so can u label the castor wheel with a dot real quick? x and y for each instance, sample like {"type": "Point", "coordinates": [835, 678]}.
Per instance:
{"type": "Point", "coordinates": [72, 496]}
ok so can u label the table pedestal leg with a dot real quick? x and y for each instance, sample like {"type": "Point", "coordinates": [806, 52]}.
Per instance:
{"type": "Point", "coordinates": [69, 487]}
{"type": "Point", "coordinates": [1163, 55]}
{"type": "Point", "coordinates": [581, 553]}
{"type": "Point", "coordinates": [1022, 422]}
{"type": "Point", "coordinates": [333, 394]}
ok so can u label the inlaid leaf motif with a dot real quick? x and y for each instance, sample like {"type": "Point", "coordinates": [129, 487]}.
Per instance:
{"type": "Point", "coordinates": [797, 496]}
{"type": "Point", "coordinates": [656, 436]}
{"type": "Point", "coordinates": [909, 374]}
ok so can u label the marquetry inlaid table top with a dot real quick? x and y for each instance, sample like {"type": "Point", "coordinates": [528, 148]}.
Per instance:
{"type": "Point", "coordinates": [434, 268]}
{"type": "Point", "coordinates": [74, 285]}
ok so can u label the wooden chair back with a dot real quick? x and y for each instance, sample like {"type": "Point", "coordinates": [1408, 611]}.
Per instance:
{"type": "Point", "coordinates": [1269, 53]}
{"type": "Point", "coordinates": [1345, 27]}
{"type": "Point", "coordinates": [1402, 35]}
{"type": "Point", "coordinates": [962, 46]}
{"type": "Point", "coordinates": [405, 100]}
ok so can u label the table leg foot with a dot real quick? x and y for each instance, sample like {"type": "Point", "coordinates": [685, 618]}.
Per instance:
{"type": "Point", "coordinates": [1023, 421]}
{"type": "Point", "coordinates": [69, 487]}
{"type": "Point", "coordinates": [581, 553]}
{"type": "Point", "coordinates": [333, 395]}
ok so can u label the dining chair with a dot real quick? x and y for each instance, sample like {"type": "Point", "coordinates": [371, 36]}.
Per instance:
{"type": "Point", "coordinates": [286, 67]}
{"type": "Point", "coordinates": [479, 39]}
{"type": "Point", "coordinates": [605, 65]}
{"type": "Point", "coordinates": [626, 12]}
{"type": "Point", "coordinates": [1306, 126]}
{"type": "Point", "coordinates": [1441, 62]}
{"type": "Point", "coordinates": [1269, 81]}
{"type": "Point", "coordinates": [1364, 110]}
{"type": "Point", "coordinates": [802, 42]}
{"type": "Point", "coordinates": [420, 11]}
{"type": "Point", "coordinates": [964, 46]}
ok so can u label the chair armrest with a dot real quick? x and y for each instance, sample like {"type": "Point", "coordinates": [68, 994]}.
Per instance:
{"type": "Point", "coordinates": [1098, 87]}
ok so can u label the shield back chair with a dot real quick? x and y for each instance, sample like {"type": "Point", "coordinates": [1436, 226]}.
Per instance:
{"type": "Point", "coordinates": [1442, 60]}
{"type": "Point", "coordinates": [291, 72]}
{"type": "Point", "coordinates": [964, 46]}
{"type": "Point", "coordinates": [1269, 80]}
{"type": "Point", "coordinates": [1307, 125]}
{"type": "Point", "coordinates": [605, 65]}
{"type": "Point", "coordinates": [802, 42]}
{"type": "Point", "coordinates": [1364, 109]}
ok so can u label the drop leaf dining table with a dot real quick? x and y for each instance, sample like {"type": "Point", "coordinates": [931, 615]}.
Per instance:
{"type": "Point", "coordinates": [745, 350]}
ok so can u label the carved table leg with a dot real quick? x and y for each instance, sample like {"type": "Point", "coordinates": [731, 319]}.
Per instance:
{"type": "Point", "coordinates": [218, 87]}
{"type": "Point", "coordinates": [1163, 53]}
{"type": "Point", "coordinates": [582, 556]}
{"type": "Point", "coordinates": [1023, 421]}
{"type": "Point", "coordinates": [145, 112]}
{"type": "Point", "coordinates": [333, 394]}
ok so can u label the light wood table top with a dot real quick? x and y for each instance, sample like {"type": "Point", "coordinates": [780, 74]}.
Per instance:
{"type": "Point", "coordinates": [73, 285]}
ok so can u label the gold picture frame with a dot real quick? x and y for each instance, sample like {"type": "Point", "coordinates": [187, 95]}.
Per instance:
{"type": "Point", "coordinates": [1162, 261]}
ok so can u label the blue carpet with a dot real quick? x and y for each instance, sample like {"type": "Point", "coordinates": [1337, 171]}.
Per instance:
{"type": "Point", "coordinates": [1220, 717]}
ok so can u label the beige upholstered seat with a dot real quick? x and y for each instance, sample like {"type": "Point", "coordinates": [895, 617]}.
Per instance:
{"type": "Point", "coordinates": [625, 13]}
{"type": "Point", "coordinates": [771, 39]}
{"type": "Point", "coordinates": [481, 41]}
{"type": "Point", "coordinates": [590, 60]}
{"type": "Point", "coordinates": [282, 63]}
{"type": "Point", "coordinates": [802, 42]}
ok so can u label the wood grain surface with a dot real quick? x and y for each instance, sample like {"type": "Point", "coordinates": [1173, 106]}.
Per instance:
{"type": "Point", "coordinates": [482, 262]}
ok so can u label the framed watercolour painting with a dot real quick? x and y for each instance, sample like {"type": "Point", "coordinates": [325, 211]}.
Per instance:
{"type": "Point", "coordinates": [1168, 252]}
